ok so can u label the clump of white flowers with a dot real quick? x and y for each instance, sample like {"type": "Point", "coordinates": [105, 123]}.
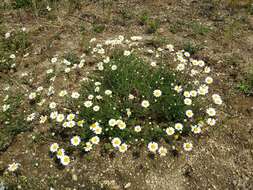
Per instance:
{"type": "Point", "coordinates": [114, 112]}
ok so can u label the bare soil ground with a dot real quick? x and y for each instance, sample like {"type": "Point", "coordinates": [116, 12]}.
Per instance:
{"type": "Point", "coordinates": [222, 157]}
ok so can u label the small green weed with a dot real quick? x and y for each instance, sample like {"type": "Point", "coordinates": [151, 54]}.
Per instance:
{"type": "Point", "coordinates": [191, 48]}
{"type": "Point", "coordinates": [98, 28]}
{"type": "Point", "coordinates": [144, 17]}
{"type": "Point", "coordinates": [246, 86]}
{"type": "Point", "coordinates": [72, 58]}
{"type": "Point", "coordinates": [18, 41]}
{"type": "Point", "coordinates": [199, 29]}
{"type": "Point", "coordinates": [12, 119]}
{"type": "Point", "coordinates": [152, 25]}
{"type": "Point", "coordinates": [177, 26]}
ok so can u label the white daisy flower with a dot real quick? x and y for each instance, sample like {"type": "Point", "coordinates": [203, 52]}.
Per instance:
{"type": "Point", "coordinates": [179, 126]}
{"type": "Point", "coordinates": [12, 56]}
{"type": "Point", "coordinates": [123, 148]}
{"type": "Point", "coordinates": [43, 119]}
{"type": "Point", "coordinates": [195, 129]}
{"type": "Point", "coordinates": [95, 140]}
{"type": "Point", "coordinates": [63, 93]}
{"type": "Point", "coordinates": [127, 53]}
{"type": "Point", "coordinates": [96, 108]}
{"type": "Point", "coordinates": [75, 95]}
{"type": "Point", "coordinates": [209, 80]}
{"type": "Point", "coordinates": [88, 104]}
{"type": "Point", "coordinates": [178, 89]}
{"type": "Point", "coordinates": [121, 124]}
{"type": "Point", "coordinates": [162, 151]}
{"type": "Point", "coordinates": [130, 97]}
{"type": "Point", "coordinates": [54, 60]}
{"type": "Point", "coordinates": [90, 97]}
{"type": "Point", "coordinates": [211, 112]}
{"type": "Point", "coordinates": [52, 105]}
{"type": "Point", "coordinates": [7, 35]}
{"type": "Point", "coordinates": [112, 122]}
{"type": "Point", "coordinates": [76, 140]}
{"type": "Point", "coordinates": [13, 167]}
{"type": "Point", "coordinates": [53, 115]}
{"type": "Point", "coordinates": [137, 128]}
{"type": "Point", "coordinates": [54, 147]}
{"type": "Point", "coordinates": [180, 67]}
{"type": "Point", "coordinates": [170, 47]}
{"type": "Point", "coordinates": [145, 103]}
{"type": "Point", "coordinates": [6, 107]}
{"type": "Point", "coordinates": [108, 92]}
{"type": "Point", "coordinates": [32, 96]}
{"type": "Point", "coordinates": [71, 117]}
{"type": "Point", "coordinates": [98, 130]}
{"type": "Point", "coordinates": [65, 160]}
{"type": "Point", "coordinates": [189, 113]}
{"type": "Point", "coordinates": [201, 63]}
{"type": "Point", "coordinates": [187, 101]}
{"type": "Point", "coordinates": [88, 146]}
{"type": "Point", "coordinates": [116, 142]}
{"type": "Point", "coordinates": [193, 93]}
{"type": "Point", "coordinates": [203, 90]}
{"type": "Point", "coordinates": [60, 153]}
{"type": "Point", "coordinates": [60, 118]}
{"type": "Point", "coordinates": [114, 67]}
{"type": "Point", "coordinates": [187, 94]}
{"type": "Point", "coordinates": [152, 147]}
{"type": "Point", "coordinates": [157, 93]}
{"type": "Point", "coordinates": [211, 121]}
{"type": "Point", "coordinates": [153, 64]}
{"type": "Point", "coordinates": [71, 124]}
{"type": "Point", "coordinates": [170, 131]}
{"type": "Point", "coordinates": [217, 99]}
{"type": "Point", "coordinates": [187, 146]}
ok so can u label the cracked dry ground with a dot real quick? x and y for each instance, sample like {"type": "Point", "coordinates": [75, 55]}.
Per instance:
{"type": "Point", "coordinates": [222, 156]}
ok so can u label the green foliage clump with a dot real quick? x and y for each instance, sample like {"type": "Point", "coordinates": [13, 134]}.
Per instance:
{"type": "Point", "coordinates": [72, 58]}
{"type": "Point", "coordinates": [199, 29]}
{"type": "Point", "coordinates": [246, 85]}
{"type": "Point", "coordinates": [19, 41]}
{"type": "Point", "coordinates": [191, 48]}
{"type": "Point", "coordinates": [98, 28]}
{"type": "Point", "coordinates": [151, 25]}
{"type": "Point", "coordinates": [13, 119]}
{"type": "Point", "coordinates": [133, 77]}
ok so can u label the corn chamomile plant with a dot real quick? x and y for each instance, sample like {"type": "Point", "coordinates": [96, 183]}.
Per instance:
{"type": "Point", "coordinates": [135, 95]}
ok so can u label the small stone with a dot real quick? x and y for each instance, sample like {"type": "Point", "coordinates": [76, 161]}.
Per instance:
{"type": "Point", "coordinates": [74, 177]}
{"type": "Point", "coordinates": [127, 185]}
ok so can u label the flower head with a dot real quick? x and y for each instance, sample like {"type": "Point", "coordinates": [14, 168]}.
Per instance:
{"type": "Point", "coordinates": [13, 167]}
{"type": "Point", "coordinates": [145, 103]}
{"type": "Point", "coordinates": [152, 146]}
{"type": "Point", "coordinates": [65, 160]}
{"type": "Point", "coordinates": [157, 93]}
{"type": "Point", "coordinates": [54, 147]}
{"type": "Point", "coordinates": [75, 140]}
{"type": "Point", "coordinates": [162, 151]}
{"type": "Point", "coordinates": [116, 142]}
{"type": "Point", "coordinates": [187, 146]}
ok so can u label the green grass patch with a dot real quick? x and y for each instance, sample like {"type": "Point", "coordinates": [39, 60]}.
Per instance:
{"type": "Point", "coordinates": [199, 29]}
{"type": "Point", "coordinates": [246, 85]}
{"type": "Point", "coordinates": [98, 28]}
{"type": "Point", "coordinates": [12, 120]}
{"type": "Point", "coordinates": [191, 47]}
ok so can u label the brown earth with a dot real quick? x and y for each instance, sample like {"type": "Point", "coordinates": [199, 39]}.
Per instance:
{"type": "Point", "coordinates": [221, 158]}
